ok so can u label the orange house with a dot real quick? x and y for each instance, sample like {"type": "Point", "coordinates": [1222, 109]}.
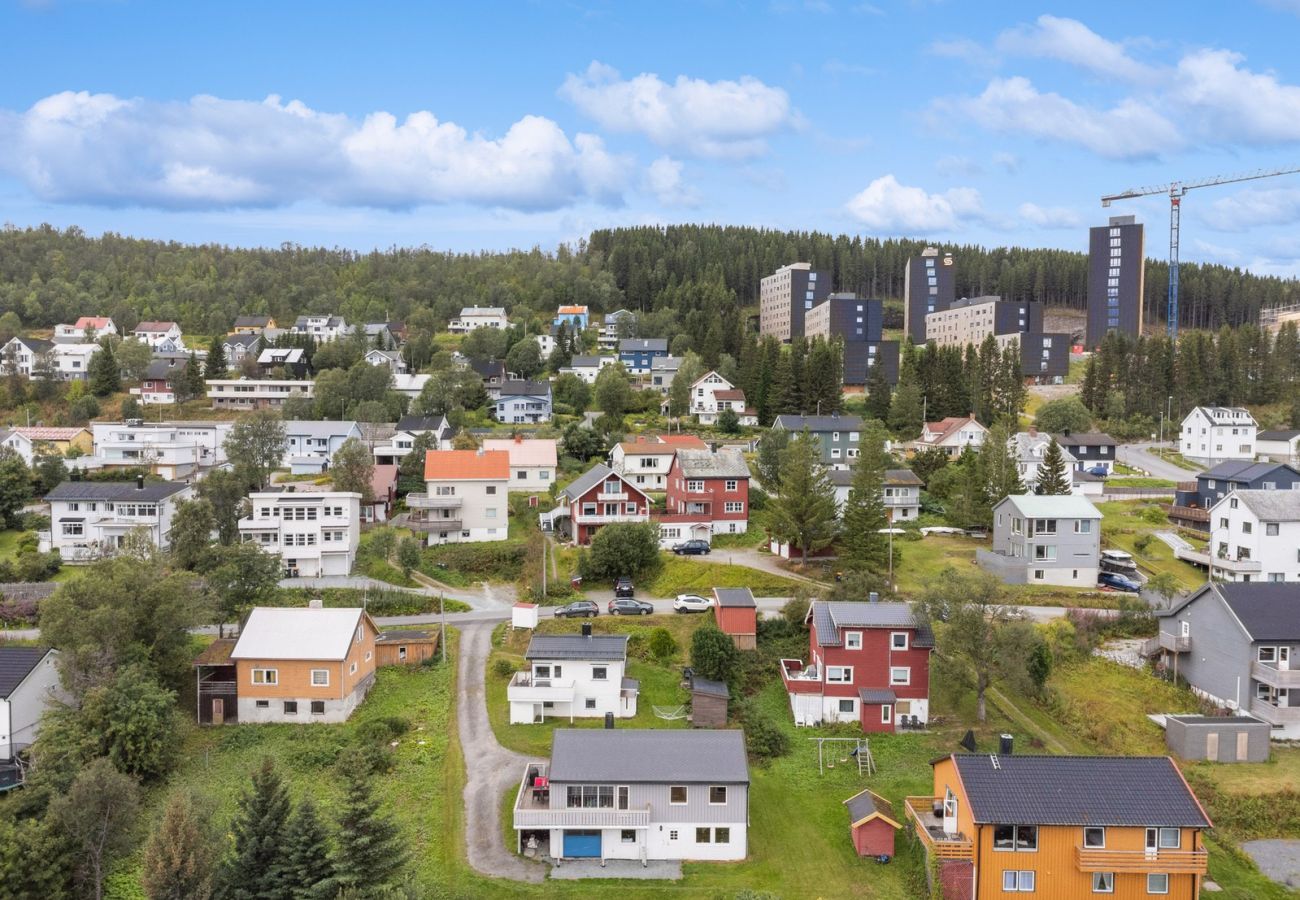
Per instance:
{"type": "Point", "coordinates": [289, 665]}
{"type": "Point", "coordinates": [1063, 827]}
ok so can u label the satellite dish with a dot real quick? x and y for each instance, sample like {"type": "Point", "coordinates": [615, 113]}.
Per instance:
{"type": "Point", "coordinates": [968, 742]}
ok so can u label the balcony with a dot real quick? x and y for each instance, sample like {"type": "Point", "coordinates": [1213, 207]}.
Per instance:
{"type": "Point", "coordinates": [1175, 862]}
{"type": "Point", "coordinates": [1188, 487]}
{"type": "Point", "coordinates": [1174, 643]}
{"type": "Point", "coordinates": [1270, 674]}
{"type": "Point", "coordinates": [1274, 714]}
{"type": "Point", "coordinates": [1189, 514]}
{"type": "Point", "coordinates": [603, 497]}
{"type": "Point", "coordinates": [524, 688]}
{"type": "Point", "coordinates": [581, 519]}
{"type": "Point", "coordinates": [939, 844]}
{"type": "Point", "coordinates": [420, 523]}
{"type": "Point", "coordinates": [800, 679]}
{"type": "Point", "coordinates": [424, 501]}
{"type": "Point", "coordinates": [533, 808]}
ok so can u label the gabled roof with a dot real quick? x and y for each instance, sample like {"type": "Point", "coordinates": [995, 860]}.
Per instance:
{"type": "Point", "coordinates": [897, 477]}
{"type": "Point", "coordinates": [1265, 609]}
{"type": "Point", "coordinates": [666, 363]}
{"type": "Point", "coordinates": [641, 756]}
{"type": "Point", "coordinates": [829, 616]}
{"type": "Point", "coordinates": [252, 321]}
{"type": "Point", "coordinates": [1086, 439]}
{"type": "Point", "coordinates": [729, 394]}
{"type": "Point", "coordinates": [242, 340]}
{"type": "Point", "coordinates": [319, 428]}
{"type": "Point", "coordinates": [605, 647]}
{"type": "Point", "coordinates": [48, 432]}
{"type": "Point", "coordinates": [36, 345]}
{"type": "Point", "coordinates": [152, 492]}
{"type": "Point", "coordinates": [95, 322]}
{"type": "Point", "coordinates": [572, 311]}
{"type": "Point", "coordinates": [161, 369]}
{"type": "Point", "coordinates": [818, 424]}
{"type": "Point", "coordinates": [281, 355]}
{"type": "Point", "coordinates": [155, 327]}
{"type": "Point", "coordinates": [1030, 447]}
{"type": "Point", "coordinates": [466, 465]}
{"type": "Point", "coordinates": [482, 311]}
{"type": "Point", "coordinates": [1269, 506]}
{"type": "Point", "coordinates": [646, 448]}
{"type": "Point", "coordinates": [643, 345]}
{"type": "Point", "coordinates": [416, 424]}
{"type": "Point", "coordinates": [1225, 415]}
{"type": "Point", "coordinates": [1284, 435]}
{"type": "Point", "coordinates": [710, 688]}
{"type": "Point", "coordinates": [726, 463]}
{"type": "Point", "coordinates": [592, 477]}
{"type": "Point", "coordinates": [681, 441]}
{"type": "Point", "coordinates": [526, 452]}
{"type": "Point", "coordinates": [588, 362]}
{"type": "Point", "coordinates": [16, 663]}
{"type": "Point", "coordinates": [1244, 470]}
{"type": "Point", "coordinates": [1052, 506]}
{"type": "Point", "coordinates": [298, 633]}
{"type": "Point", "coordinates": [727, 384]}
{"type": "Point", "coordinates": [1078, 790]}
{"type": "Point", "coordinates": [945, 428]}
{"type": "Point", "coordinates": [488, 368]}
{"type": "Point", "coordinates": [735, 598]}
{"type": "Point", "coordinates": [526, 389]}
{"type": "Point", "coordinates": [866, 806]}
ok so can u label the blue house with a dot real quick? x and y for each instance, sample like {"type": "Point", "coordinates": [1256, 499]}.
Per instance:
{"type": "Point", "coordinates": [524, 403]}
{"type": "Point", "coordinates": [575, 316]}
{"type": "Point", "coordinates": [1193, 500]}
{"type": "Point", "coordinates": [638, 354]}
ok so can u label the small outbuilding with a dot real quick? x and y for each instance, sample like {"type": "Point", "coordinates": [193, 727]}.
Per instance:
{"type": "Point", "coordinates": [708, 703]}
{"type": "Point", "coordinates": [872, 825]}
{"type": "Point", "coordinates": [405, 647]}
{"type": "Point", "coordinates": [1225, 739]}
{"type": "Point", "coordinates": [737, 616]}
{"type": "Point", "coordinates": [523, 615]}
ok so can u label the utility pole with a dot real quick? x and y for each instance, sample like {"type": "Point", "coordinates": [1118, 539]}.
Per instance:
{"type": "Point", "coordinates": [442, 614]}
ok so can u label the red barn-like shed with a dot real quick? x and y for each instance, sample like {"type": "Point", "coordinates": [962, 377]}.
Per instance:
{"type": "Point", "coordinates": [871, 824]}
{"type": "Point", "coordinates": [737, 616]}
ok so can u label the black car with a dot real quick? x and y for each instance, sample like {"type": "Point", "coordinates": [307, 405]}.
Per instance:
{"type": "Point", "coordinates": [577, 609]}
{"type": "Point", "coordinates": [692, 548]}
{"type": "Point", "coordinates": [626, 606]}
{"type": "Point", "coordinates": [623, 587]}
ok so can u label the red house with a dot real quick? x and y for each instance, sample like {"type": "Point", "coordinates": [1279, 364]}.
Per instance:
{"type": "Point", "coordinates": [872, 825]}
{"type": "Point", "coordinates": [867, 663]}
{"type": "Point", "coordinates": [596, 498]}
{"type": "Point", "coordinates": [707, 489]}
{"type": "Point", "coordinates": [737, 616]}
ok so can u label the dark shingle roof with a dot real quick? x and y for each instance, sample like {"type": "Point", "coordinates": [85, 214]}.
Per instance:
{"type": "Point", "coordinates": [526, 389]}
{"type": "Point", "coordinates": [865, 804]}
{"type": "Point", "coordinates": [877, 695]}
{"type": "Point", "coordinates": [818, 423]}
{"type": "Point", "coordinates": [1085, 439]}
{"type": "Point", "coordinates": [592, 477]}
{"type": "Point", "coordinates": [488, 368]}
{"type": "Point", "coordinates": [710, 688]}
{"type": "Point", "coordinates": [16, 663]}
{"type": "Point", "coordinates": [643, 345]}
{"type": "Point", "coordinates": [1243, 470]}
{"type": "Point", "coordinates": [640, 756]}
{"type": "Point", "coordinates": [1078, 790]}
{"type": "Point", "coordinates": [152, 491]}
{"type": "Point", "coordinates": [902, 476]}
{"type": "Point", "coordinates": [252, 321]}
{"type": "Point", "coordinates": [735, 598]}
{"type": "Point", "coordinates": [1277, 435]}
{"type": "Point", "coordinates": [246, 340]}
{"type": "Point", "coordinates": [831, 616]}
{"type": "Point", "coordinates": [611, 647]}
{"type": "Point", "coordinates": [1269, 611]}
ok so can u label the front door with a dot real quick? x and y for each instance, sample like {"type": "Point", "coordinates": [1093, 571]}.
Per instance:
{"type": "Point", "coordinates": [1152, 842]}
{"type": "Point", "coordinates": [218, 711]}
{"type": "Point", "coordinates": [949, 812]}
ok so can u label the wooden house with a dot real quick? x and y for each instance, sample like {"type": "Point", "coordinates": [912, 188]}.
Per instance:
{"type": "Point", "coordinates": [872, 825]}
{"type": "Point", "coordinates": [407, 647]}
{"type": "Point", "coordinates": [737, 616]}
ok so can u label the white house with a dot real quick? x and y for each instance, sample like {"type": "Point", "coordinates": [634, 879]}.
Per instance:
{"type": "Point", "coordinates": [96, 325]}
{"type": "Point", "coordinates": [644, 463]}
{"type": "Point", "coordinates": [392, 359]}
{"type": "Point", "coordinates": [1278, 446]}
{"type": "Point", "coordinates": [588, 367]}
{"type": "Point", "coordinates": [1254, 535]}
{"type": "Point", "coordinates": [545, 344]}
{"type": "Point", "coordinates": [21, 355]}
{"type": "Point", "coordinates": [573, 676]}
{"type": "Point", "coordinates": [1212, 434]}
{"type": "Point", "coordinates": [465, 497]}
{"type": "Point", "coordinates": [322, 329]}
{"type": "Point", "coordinates": [89, 520]}
{"type": "Point", "coordinates": [165, 336]}
{"type": "Point", "coordinates": [255, 393]}
{"type": "Point", "coordinates": [174, 450]}
{"type": "Point", "coordinates": [71, 362]}
{"type": "Point", "coordinates": [309, 445]}
{"type": "Point", "coordinates": [408, 428]}
{"type": "Point", "coordinates": [952, 435]}
{"type": "Point", "coordinates": [315, 533]}
{"type": "Point", "coordinates": [1045, 539]}
{"type": "Point", "coordinates": [711, 393]}
{"type": "Point", "coordinates": [29, 684]}
{"type": "Point", "coordinates": [616, 325]}
{"type": "Point", "coordinates": [33, 441]}
{"type": "Point", "coordinates": [410, 384]}
{"type": "Point", "coordinates": [532, 461]}
{"type": "Point", "coordinates": [472, 318]}
{"type": "Point", "coordinates": [1029, 448]}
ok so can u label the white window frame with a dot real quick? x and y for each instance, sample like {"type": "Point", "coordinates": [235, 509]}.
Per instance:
{"type": "Point", "coordinates": [274, 676]}
{"type": "Point", "coordinates": [906, 678]}
{"type": "Point", "coordinates": [1152, 890]}
{"type": "Point", "coordinates": [1018, 876]}
{"type": "Point", "coordinates": [853, 640]}
{"type": "Point", "coordinates": [893, 640]}
{"type": "Point", "coordinates": [845, 672]}
{"type": "Point", "coordinates": [1088, 846]}
{"type": "Point", "coordinates": [1107, 881]}
{"type": "Point", "coordinates": [315, 682]}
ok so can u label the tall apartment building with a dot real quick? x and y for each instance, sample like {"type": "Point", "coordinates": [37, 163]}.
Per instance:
{"type": "Point", "coordinates": [785, 297]}
{"type": "Point", "coordinates": [970, 321]}
{"type": "Point", "coordinates": [929, 285]}
{"type": "Point", "coordinates": [852, 317]}
{"type": "Point", "coordinates": [1116, 278]}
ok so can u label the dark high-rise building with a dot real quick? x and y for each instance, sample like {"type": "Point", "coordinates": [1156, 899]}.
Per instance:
{"type": "Point", "coordinates": [1116, 278]}
{"type": "Point", "coordinates": [851, 317]}
{"type": "Point", "coordinates": [929, 285]}
{"type": "Point", "coordinates": [786, 295]}
{"type": "Point", "coordinates": [860, 357]}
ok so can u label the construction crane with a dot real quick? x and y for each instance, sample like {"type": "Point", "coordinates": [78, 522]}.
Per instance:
{"type": "Point", "coordinates": [1176, 190]}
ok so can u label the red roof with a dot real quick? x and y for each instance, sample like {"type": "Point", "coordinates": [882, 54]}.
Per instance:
{"type": "Point", "coordinates": [684, 440]}
{"type": "Point", "coordinates": [452, 465]}
{"type": "Point", "coordinates": [945, 427]}
{"type": "Point", "coordinates": [729, 395]}
{"type": "Point", "coordinates": [95, 322]}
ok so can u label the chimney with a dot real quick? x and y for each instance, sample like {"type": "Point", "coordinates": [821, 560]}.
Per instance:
{"type": "Point", "coordinates": [1006, 743]}
{"type": "Point", "coordinates": [1033, 431]}
{"type": "Point", "coordinates": [519, 438]}
{"type": "Point", "coordinates": [315, 603]}
{"type": "Point", "coordinates": [1067, 432]}
{"type": "Point", "coordinates": [609, 721]}
{"type": "Point", "coordinates": [873, 597]}
{"type": "Point", "coordinates": [139, 482]}
{"type": "Point", "coordinates": [586, 629]}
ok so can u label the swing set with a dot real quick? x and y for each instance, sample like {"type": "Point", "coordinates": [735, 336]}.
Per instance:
{"type": "Point", "coordinates": [860, 753]}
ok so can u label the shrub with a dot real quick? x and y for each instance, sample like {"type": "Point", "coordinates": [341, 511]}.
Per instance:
{"type": "Point", "coordinates": [1154, 515]}
{"type": "Point", "coordinates": [498, 559]}
{"type": "Point", "coordinates": [758, 499]}
{"type": "Point", "coordinates": [795, 609]}
{"type": "Point", "coordinates": [662, 644]}
{"type": "Point", "coordinates": [713, 655]}
{"type": "Point", "coordinates": [764, 738]}
{"type": "Point", "coordinates": [1142, 542]}
{"type": "Point", "coordinates": [624, 548]}
{"type": "Point", "coordinates": [383, 730]}
{"type": "Point", "coordinates": [503, 668]}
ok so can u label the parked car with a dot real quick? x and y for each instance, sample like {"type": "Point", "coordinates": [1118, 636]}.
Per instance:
{"type": "Point", "coordinates": [576, 609]}
{"type": "Point", "coordinates": [687, 603]}
{"type": "Point", "coordinates": [692, 548]}
{"type": "Point", "coordinates": [1099, 471]}
{"type": "Point", "coordinates": [1118, 582]}
{"type": "Point", "coordinates": [623, 587]}
{"type": "Point", "coordinates": [626, 606]}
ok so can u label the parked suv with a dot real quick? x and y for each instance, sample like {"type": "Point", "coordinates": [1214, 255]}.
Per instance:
{"type": "Point", "coordinates": [623, 587]}
{"type": "Point", "coordinates": [692, 603]}
{"type": "Point", "coordinates": [576, 609]}
{"type": "Point", "coordinates": [692, 548]}
{"type": "Point", "coordinates": [1118, 582]}
{"type": "Point", "coordinates": [626, 606]}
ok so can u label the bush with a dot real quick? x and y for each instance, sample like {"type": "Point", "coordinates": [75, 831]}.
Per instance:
{"type": "Point", "coordinates": [758, 499]}
{"type": "Point", "coordinates": [624, 548]}
{"type": "Point", "coordinates": [713, 654]}
{"type": "Point", "coordinates": [662, 644]}
{"type": "Point", "coordinates": [795, 610]}
{"type": "Point", "coordinates": [1154, 515]}
{"type": "Point", "coordinates": [503, 668]}
{"type": "Point", "coordinates": [764, 738]}
{"type": "Point", "coordinates": [502, 560]}
{"type": "Point", "coordinates": [1142, 542]}
{"type": "Point", "coordinates": [383, 730]}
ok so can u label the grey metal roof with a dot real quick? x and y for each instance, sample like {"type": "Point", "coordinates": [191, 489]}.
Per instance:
{"type": "Point", "coordinates": [1243, 470]}
{"type": "Point", "coordinates": [630, 684]}
{"type": "Point", "coordinates": [640, 756]}
{"type": "Point", "coordinates": [36, 345]}
{"type": "Point", "coordinates": [831, 615]}
{"type": "Point", "coordinates": [526, 389]}
{"type": "Point", "coordinates": [322, 428]}
{"type": "Point", "coordinates": [1270, 506]}
{"type": "Point", "coordinates": [592, 477]}
{"type": "Point", "coordinates": [1285, 435]}
{"type": "Point", "coordinates": [865, 804]}
{"type": "Point", "coordinates": [817, 424]}
{"type": "Point", "coordinates": [726, 463]}
{"type": "Point", "coordinates": [877, 695]}
{"type": "Point", "coordinates": [612, 647]}
{"type": "Point", "coordinates": [643, 345]}
{"type": "Point", "coordinates": [1086, 439]}
{"type": "Point", "coordinates": [1268, 610]}
{"type": "Point", "coordinates": [1226, 415]}
{"type": "Point", "coordinates": [735, 598]}
{"type": "Point", "coordinates": [1078, 790]}
{"type": "Point", "coordinates": [251, 321]}
{"type": "Point", "coordinates": [16, 663]}
{"type": "Point", "coordinates": [152, 491]}
{"type": "Point", "coordinates": [585, 362]}
{"type": "Point", "coordinates": [664, 363]}
{"type": "Point", "coordinates": [710, 688]}
{"type": "Point", "coordinates": [246, 340]}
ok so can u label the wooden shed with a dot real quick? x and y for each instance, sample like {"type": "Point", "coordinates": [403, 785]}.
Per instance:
{"type": "Point", "coordinates": [708, 703]}
{"type": "Point", "coordinates": [872, 825]}
{"type": "Point", "coordinates": [737, 616]}
{"type": "Point", "coordinates": [407, 647]}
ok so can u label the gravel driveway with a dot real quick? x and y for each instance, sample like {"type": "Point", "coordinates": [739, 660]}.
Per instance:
{"type": "Point", "coordinates": [490, 768]}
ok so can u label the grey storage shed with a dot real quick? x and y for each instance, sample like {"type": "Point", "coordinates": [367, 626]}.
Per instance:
{"type": "Point", "coordinates": [1225, 739]}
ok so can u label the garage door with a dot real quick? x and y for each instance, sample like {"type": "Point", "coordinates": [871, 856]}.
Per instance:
{"type": "Point", "coordinates": [581, 844]}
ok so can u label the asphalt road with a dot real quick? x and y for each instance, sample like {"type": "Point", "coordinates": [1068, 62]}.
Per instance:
{"type": "Point", "coordinates": [1140, 456]}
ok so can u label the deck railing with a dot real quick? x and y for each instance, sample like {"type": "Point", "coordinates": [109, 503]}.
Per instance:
{"type": "Point", "coordinates": [1171, 861]}
{"type": "Point", "coordinates": [938, 844]}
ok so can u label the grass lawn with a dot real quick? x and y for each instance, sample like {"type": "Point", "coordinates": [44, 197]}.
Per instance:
{"type": "Point", "coordinates": [1124, 523]}
{"type": "Point", "coordinates": [1173, 456]}
{"type": "Point", "coordinates": [680, 575]}
{"type": "Point", "coordinates": [1141, 481]}
{"type": "Point", "coordinates": [9, 543]}
{"type": "Point", "coordinates": [916, 562]}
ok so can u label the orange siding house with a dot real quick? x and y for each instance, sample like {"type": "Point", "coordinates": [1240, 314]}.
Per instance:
{"type": "Point", "coordinates": [1063, 827]}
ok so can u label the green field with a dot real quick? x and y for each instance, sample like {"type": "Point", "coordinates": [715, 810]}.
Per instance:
{"type": "Point", "coordinates": [1125, 522]}
{"type": "Point", "coordinates": [680, 575]}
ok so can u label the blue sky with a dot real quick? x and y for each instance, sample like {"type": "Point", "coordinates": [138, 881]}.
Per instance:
{"type": "Point", "coordinates": [492, 125]}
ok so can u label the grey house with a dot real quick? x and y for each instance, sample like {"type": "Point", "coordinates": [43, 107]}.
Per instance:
{"type": "Point", "coordinates": [637, 795]}
{"type": "Point", "coordinates": [839, 435]}
{"type": "Point", "coordinates": [1193, 499]}
{"type": "Point", "coordinates": [29, 682]}
{"type": "Point", "coordinates": [1238, 645]}
{"type": "Point", "coordinates": [524, 402]}
{"type": "Point", "coordinates": [1045, 539]}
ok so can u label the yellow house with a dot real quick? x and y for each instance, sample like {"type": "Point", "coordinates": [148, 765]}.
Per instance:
{"type": "Point", "coordinates": [37, 440]}
{"type": "Point", "coordinates": [1064, 827]}
{"type": "Point", "coordinates": [252, 324]}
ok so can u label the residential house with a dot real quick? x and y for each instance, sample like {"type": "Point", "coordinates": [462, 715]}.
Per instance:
{"type": "Point", "coordinates": [617, 325]}
{"type": "Point", "coordinates": [322, 329]}
{"type": "Point", "coordinates": [472, 318]}
{"type": "Point", "coordinates": [465, 497]}
{"type": "Point", "coordinates": [868, 663]}
{"type": "Point", "coordinates": [638, 354]}
{"type": "Point", "coordinates": [524, 402]}
{"type": "Point", "coordinates": [256, 393]}
{"type": "Point", "coordinates": [952, 436]}
{"type": "Point", "coordinates": [252, 324]}
{"type": "Point", "coordinates": [165, 336]}
{"type": "Point", "coordinates": [24, 355]}
{"type": "Point", "coordinates": [1092, 450]}
{"type": "Point", "coordinates": [587, 367]}
{"type": "Point", "coordinates": [71, 362]}
{"type": "Point", "coordinates": [545, 345]}
{"type": "Point", "coordinates": [1254, 536]}
{"type": "Point", "coordinates": [409, 384]}
{"type": "Point", "coordinates": [310, 445]}
{"type": "Point", "coordinates": [637, 794]}
{"type": "Point", "coordinates": [292, 361]}
{"type": "Point", "coordinates": [89, 520]}
{"type": "Point", "coordinates": [998, 824]}
{"type": "Point", "coordinates": [1045, 539]}
{"type": "Point", "coordinates": [33, 442]}
{"type": "Point", "coordinates": [663, 369]}
{"type": "Point", "coordinates": [736, 615]}
{"type": "Point", "coordinates": [173, 450]}
{"type": "Point", "coordinates": [1193, 499]}
{"type": "Point", "coordinates": [94, 326]}
{"type": "Point", "coordinates": [314, 533]}
{"type": "Point", "coordinates": [1279, 446]}
{"type": "Point", "coordinates": [391, 359]}
{"type": "Point", "coordinates": [383, 495]}
{"type": "Point", "coordinates": [708, 488]}
{"type": "Point", "coordinates": [838, 435]}
{"type": "Point", "coordinates": [289, 665]}
{"type": "Point", "coordinates": [711, 394]}
{"type": "Point", "coordinates": [1212, 434]}
{"type": "Point", "coordinates": [1029, 448]}
{"type": "Point", "coordinates": [408, 428]}
{"type": "Point", "coordinates": [29, 685]}
{"type": "Point", "coordinates": [383, 335]}
{"type": "Point", "coordinates": [1238, 646]}
{"type": "Point", "coordinates": [493, 374]}
{"type": "Point", "coordinates": [532, 461]}
{"type": "Point", "coordinates": [239, 346]}
{"type": "Point", "coordinates": [576, 317]}
{"type": "Point", "coordinates": [158, 384]}
{"type": "Point", "coordinates": [644, 462]}
{"type": "Point", "coordinates": [574, 675]}
{"type": "Point", "coordinates": [901, 493]}
{"type": "Point", "coordinates": [594, 499]}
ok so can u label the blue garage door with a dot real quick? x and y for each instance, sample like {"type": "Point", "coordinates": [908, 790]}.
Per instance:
{"type": "Point", "coordinates": [581, 844]}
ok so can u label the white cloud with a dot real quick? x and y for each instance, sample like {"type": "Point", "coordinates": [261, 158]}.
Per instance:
{"type": "Point", "coordinates": [1249, 209]}
{"type": "Point", "coordinates": [213, 153]}
{"type": "Point", "coordinates": [1049, 216]}
{"type": "Point", "coordinates": [1069, 40]}
{"type": "Point", "coordinates": [1233, 104]}
{"type": "Point", "coordinates": [965, 50]}
{"type": "Point", "coordinates": [886, 205]}
{"type": "Point", "coordinates": [664, 180]}
{"type": "Point", "coordinates": [718, 119]}
{"type": "Point", "coordinates": [834, 66]}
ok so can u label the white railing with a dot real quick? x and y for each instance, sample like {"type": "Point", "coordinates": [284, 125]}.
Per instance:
{"type": "Point", "coordinates": [582, 818]}
{"type": "Point", "coordinates": [424, 501]}
{"type": "Point", "coordinates": [580, 519]}
{"type": "Point", "coordinates": [524, 688]}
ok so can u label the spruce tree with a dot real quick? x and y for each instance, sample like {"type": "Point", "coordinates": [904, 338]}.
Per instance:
{"type": "Point", "coordinates": [255, 870]}
{"type": "Point", "coordinates": [862, 546]}
{"type": "Point", "coordinates": [105, 376]}
{"type": "Point", "coordinates": [1053, 476]}
{"type": "Point", "coordinates": [803, 513]}
{"type": "Point", "coordinates": [179, 856]}
{"type": "Point", "coordinates": [905, 411]}
{"type": "Point", "coordinates": [878, 395]}
{"type": "Point", "coordinates": [370, 854]}
{"type": "Point", "coordinates": [216, 365]}
{"type": "Point", "coordinates": [997, 466]}
{"type": "Point", "coordinates": [192, 377]}
{"type": "Point", "coordinates": [308, 866]}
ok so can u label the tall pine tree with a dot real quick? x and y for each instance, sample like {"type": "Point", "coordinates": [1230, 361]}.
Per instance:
{"type": "Point", "coordinates": [878, 394]}
{"type": "Point", "coordinates": [255, 870]}
{"type": "Point", "coordinates": [803, 513]}
{"type": "Point", "coordinates": [105, 376]}
{"type": "Point", "coordinates": [370, 854]}
{"type": "Point", "coordinates": [862, 546]}
{"type": "Point", "coordinates": [308, 865]}
{"type": "Point", "coordinates": [1053, 474]}
{"type": "Point", "coordinates": [216, 365]}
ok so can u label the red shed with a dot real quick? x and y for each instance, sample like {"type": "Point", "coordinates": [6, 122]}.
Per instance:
{"type": "Point", "coordinates": [871, 824]}
{"type": "Point", "coordinates": [737, 616]}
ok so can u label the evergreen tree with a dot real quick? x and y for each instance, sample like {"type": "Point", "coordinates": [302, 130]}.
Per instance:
{"type": "Point", "coordinates": [179, 857]}
{"type": "Point", "coordinates": [862, 545]}
{"type": "Point", "coordinates": [878, 393]}
{"type": "Point", "coordinates": [216, 364]}
{"type": "Point", "coordinates": [308, 865]}
{"type": "Point", "coordinates": [905, 411]}
{"type": "Point", "coordinates": [803, 512]}
{"type": "Point", "coordinates": [256, 868]}
{"type": "Point", "coordinates": [105, 377]}
{"type": "Point", "coordinates": [370, 854]}
{"type": "Point", "coordinates": [996, 466]}
{"type": "Point", "coordinates": [192, 377]}
{"type": "Point", "coordinates": [1053, 475]}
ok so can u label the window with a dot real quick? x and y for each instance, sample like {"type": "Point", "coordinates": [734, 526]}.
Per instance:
{"type": "Point", "coordinates": [853, 640]}
{"type": "Point", "coordinates": [73, 529]}
{"type": "Point", "coordinates": [291, 707]}
{"type": "Point", "coordinates": [702, 835]}
{"type": "Point", "coordinates": [1094, 838]}
{"type": "Point", "coordinates": [1267, 654]}
{"type": "Point", "coordinates": [263, 704]}
{"type": "Point", "coordinates": [1083, 526]}
{"type": "Point", "coordinates": [718, 794]}
{"type": "Point", "coordinates": [839, 674]}
{"type": "Point", "coordinates": [900, 675]}
{"type": "Point", "coordinates": [590, 703]}
{"type": "Point", "coordinates": [672, 835]}
{"type": "Point", "coordinates": [628, 835]}
{"type": "Point", "coordinates": [1170, 838]}
{"type": "Point", "coordinates": [847, 705]}
{"type": "Point", "coordinates": [1044, 551]}
{"type": "Point", "coordinates": [886, 711]}
{"type": "Point", "coordinates": [1157, 883]}
{"type": "Point", "coordinates": [352, 669]}
{"type": "Point", "coordinates": [598, 673]}
{"type": "Point", "coordinates": [318, 707]}
{"type": "Point", "coordinates": [266, 676]}
{"type": "Point", "coordinates": [1103, 882]}
{"type": "Point", "coordinates": [1023, 838]}
{"type": "Point", "coordinates": [722, 835]}
{"type": "Point", "coordinates": [1270, 529]}
{"type": "Point", "coordinates": [1017, 881]}
{"type": "Point", "coordinates": [898, 640]}
{"type": "Point", "coordinates": [732, 484]}
{"type": "Point", "coordinates": [320, 677]}
{"type": "Point", "coordinates": [1246, 528]}
{"type": "Point", "coordinates": [677, 795]}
